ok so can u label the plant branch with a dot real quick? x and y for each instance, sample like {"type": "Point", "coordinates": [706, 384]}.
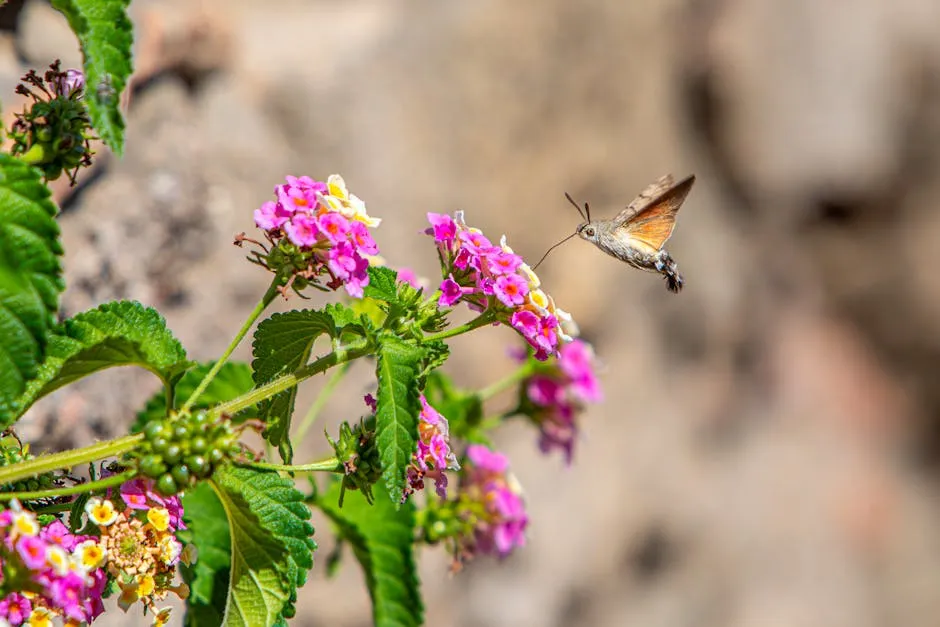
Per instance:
{"type": "Point", "coordinates": [266, 300]}
{"type": "Point", "coordinates": [485, 318]}
{"type": "Point", "coordinates": [68, 459]}
{"type": "Point", "coordinates": [340, 355]}
{"type": "Point", "coordinates": [80, 488]}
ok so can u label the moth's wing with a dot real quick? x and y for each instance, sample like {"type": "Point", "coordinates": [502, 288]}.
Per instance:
{"type": "Point", "coordinates": [652, 191]}
{"type": "Point", "coordinates": [653, 222]}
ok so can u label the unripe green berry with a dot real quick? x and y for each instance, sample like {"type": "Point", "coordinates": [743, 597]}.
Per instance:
{"type": "Point", "coordinates": [181, 473]}
{"type": "Point", "coordinates": [159, 444]}
{"type": "Point", "coordinates": [199, 465]}
{"type": "Point", "coordinates": [172, 454]}
{"type": "Point", "coordinates": [152, 466]}
{"type": "Point", "coordinates": [198, 444]}
{"type": "Point", "coordinates": [153, 430]}
{"type": "Point", "coordinates": [181, 432]}
{"type": "Point", "coordinates": [216, 455]}
{"type": "Point", "coordinates": [166, 485]}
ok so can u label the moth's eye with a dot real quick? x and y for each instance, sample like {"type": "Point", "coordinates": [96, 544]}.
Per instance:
{"type": "Point", "coordinates": [590, 232]}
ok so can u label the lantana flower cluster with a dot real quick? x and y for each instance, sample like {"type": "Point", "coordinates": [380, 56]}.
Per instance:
{"type": "Point", "coordinates": [555, 397]}
{"type": "Point", "coordinates": [327, 225]}
{"type": "Point", "coordinates": [47, 571]}
{"type": "Point", "coordinates": [487, 276]}
{"type": "Point", "coordinates": [433, 455]}
{"type": "Point", "coordinates": [140, 544]}
{"type": "Point", "coordinates": [490, 504]}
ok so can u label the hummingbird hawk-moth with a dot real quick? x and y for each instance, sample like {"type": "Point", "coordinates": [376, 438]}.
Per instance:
{"type": "Point", "coordinates": [638, 234]}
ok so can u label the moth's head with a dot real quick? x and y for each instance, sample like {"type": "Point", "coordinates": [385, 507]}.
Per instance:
{"type": "Point", "coordinates": [588, 231]}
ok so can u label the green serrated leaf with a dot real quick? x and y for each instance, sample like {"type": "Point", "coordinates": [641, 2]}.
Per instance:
{"type": "Point", "coordinates": [348, 321]}
{"type": "Point", "coordinates": [122, 333]}
{"type": "Point", "coordinates": [282, 344]}
{"type": "Point", "coordinates": [382, 539]}
{"type": "Point", "coordinates": [383, 284]}
{"type": "Point", "coordinates": [233, 380]}
{"type": "Point", "coordinates": [30, 275]}
{"type": "Point", "coordinates": [397, 366]}
{"type": "Point", "coordinates": [208, 578]}
{"type": "Point", "coordinates": [105, 34]}
{"type": "Point", "coordinates": [436, 353]}
{"type": "Point", "coordinates": [271, 544]}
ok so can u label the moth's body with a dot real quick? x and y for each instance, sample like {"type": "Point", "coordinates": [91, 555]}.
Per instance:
{"type": "Point", "coordinates": [638, 234]}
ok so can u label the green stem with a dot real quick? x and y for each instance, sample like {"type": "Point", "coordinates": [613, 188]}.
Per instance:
{"type": "Point", "coordinates": [340, 355]}
{"type": "Point", "coordinates": [320, 402]}
{"type": "Point", "coordinates": [80, 488]}
{"type": "Point", "coordinates": [68, 459]}
{"type": "Point", "coordinates": [485, 318]}
{"type": "Point", "coordinates": [520, 374]}
{"type": "Point", "coordinates": [328, 465]}
{"type": "Point", "coordinates": [266, 300]}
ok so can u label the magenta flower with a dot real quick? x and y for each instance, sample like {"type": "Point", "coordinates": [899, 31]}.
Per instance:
{"type": "Point", "coordinates": [526, 323]}
{"type": "Point", "coordinates": [32, 550]}
{"type": "Point", "coordinates": [557, 395]}
{"type": "Point", "coordinates": [492, 503]}
{"type": "Point", "coordinates": [487, 460]}
{"type": "Point", "coordinates": [443, 227]}
{"type": "Point", "coordinates": [362, 239]}
{"type": "Point", "coordinates": [371, 402]}
{"type": "Point", "coordinates": [307, 183]}
{"type": "Point", "coordinates": [68, 593]}
{"type": "Point", "coordinates": [271, 216]}
{"type": "Point", "coordinates": [342, 261]}
{"type": "Point", "coordinates": [335, 227]}
{"type": "Point", "coordinates": [476, 243]}
{"type": "Point", "coordinates": [503, 263]}
{"type": "Point", "coordinates": [451, 292]}
{"type": "Point", "coordinates": [296, 199]}
{"type": "Point", "coordinates": [511, 289]}
{"type": "Point", "coordinates": [576, 360]}
{"type": "Point", "coordinates": [15, 608]}
{"type": "Point", "coordinates": [58, 534]}
{"type": "Point", "coordinates": [544, 391]}
{"type": "Point", "coordinates": [302, 230]}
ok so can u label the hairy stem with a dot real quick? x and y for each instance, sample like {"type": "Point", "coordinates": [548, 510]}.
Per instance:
{"type": "Point", "coordinates": [80, 488]}
{"type": "Point", "coordinates": [485, 318]}
{"type": "Point", "coordinates": [340, 355]}
{"type": "Point", "coordinates": [68, 459]}
{"type": "Point", "coordinates": [327, 465]}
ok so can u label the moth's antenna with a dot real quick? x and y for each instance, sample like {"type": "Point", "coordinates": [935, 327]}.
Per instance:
{"type": "Point", "coordinates": [553, 248]}
{"type": "Point", "coordinates": [577, 206]}
{"type": "Point", "coordinates": [587, 210]}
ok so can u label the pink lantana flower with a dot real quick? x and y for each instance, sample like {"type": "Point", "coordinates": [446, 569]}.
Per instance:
{"type": "Point", "coordinates": [433, 455]}
{"type": "Point", "coordinates": [556, 395]}
{"type": "Point", "coordinates": [328, 228]}
{"type": "Point", "coordinates": [495, 279]}
{"type": "Point", "coordinates": [493, 501]}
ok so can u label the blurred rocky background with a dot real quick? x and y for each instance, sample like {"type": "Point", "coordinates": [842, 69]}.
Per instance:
{"type": "Point", "coordinates": [769, 449]}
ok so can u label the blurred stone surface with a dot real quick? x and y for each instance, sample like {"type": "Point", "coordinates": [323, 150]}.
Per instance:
{"type": "Point", "coordinates": [765, 454]}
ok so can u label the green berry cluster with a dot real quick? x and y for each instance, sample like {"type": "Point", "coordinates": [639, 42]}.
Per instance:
{"type": "Point", "coordinates": [11, 452]}
{"type": "Point", "coordinates": [182, 449]}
